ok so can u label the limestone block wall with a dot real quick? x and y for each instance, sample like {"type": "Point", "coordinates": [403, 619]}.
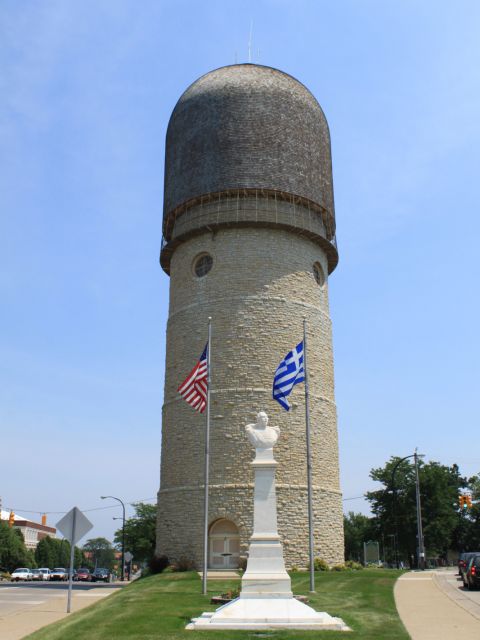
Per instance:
{"type": "Point", "coordinates": [258, 291]}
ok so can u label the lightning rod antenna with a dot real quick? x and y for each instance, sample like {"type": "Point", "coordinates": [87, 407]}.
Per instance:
{"type": "Point", "coordinates": [250, 42]}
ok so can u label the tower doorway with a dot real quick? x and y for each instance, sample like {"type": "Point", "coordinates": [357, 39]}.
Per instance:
{"type": "Point", "coordinates": [224, 545]}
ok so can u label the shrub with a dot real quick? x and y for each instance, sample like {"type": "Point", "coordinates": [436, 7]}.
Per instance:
{"type": "Point", "coordinates": [320, 564]}
{"type": "Point", "coordinates": [339, 567]}
{"type": "Point", "coordinates": [355, 566]}
{"type": "Point", "coordinates": [294, 569]}
{"type": "Point", "coordinates": [158, 564]}
{"type": "Point", "coordinates": [183, 564]}
{"type": "Point", "coordinates": [242, 563]}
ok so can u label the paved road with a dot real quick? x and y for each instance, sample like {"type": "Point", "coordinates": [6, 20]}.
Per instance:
{"type": "Point", "coordinates": [25, 607]}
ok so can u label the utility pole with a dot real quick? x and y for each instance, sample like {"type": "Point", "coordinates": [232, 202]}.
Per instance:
{"type": "Point", "coordinates": [420, 545]}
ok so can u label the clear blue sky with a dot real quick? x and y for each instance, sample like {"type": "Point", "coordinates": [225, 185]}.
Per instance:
{"type": "Point", "coordinates": [87, 89]}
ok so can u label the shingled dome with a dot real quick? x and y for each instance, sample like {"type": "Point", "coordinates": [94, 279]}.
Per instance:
{"type": "Point", "coordinates": [247, 127]}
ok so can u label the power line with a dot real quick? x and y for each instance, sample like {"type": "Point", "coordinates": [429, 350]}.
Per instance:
{"type": "Point", "coordinates": [111, 506]}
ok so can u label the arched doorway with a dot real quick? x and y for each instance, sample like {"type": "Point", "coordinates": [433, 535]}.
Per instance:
{"type": "Point", "coordinates": [224, 545]}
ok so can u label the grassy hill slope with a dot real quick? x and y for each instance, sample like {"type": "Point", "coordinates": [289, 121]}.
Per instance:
{"type": "Point", "coordinates": [160, 606]}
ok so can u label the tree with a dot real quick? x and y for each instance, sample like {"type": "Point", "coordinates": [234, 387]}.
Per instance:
{"type": "Point", "coordinates": [439, 489]}
{"type": "Point", "coordinates": [467, 532]}
{"type": "Point", "coordinates": [13, 553]}
{"type": "Point", "coordinates": [101, 551]}
{"type": "Point", "coordinates": [358, 529]}
{"type": "Point", "coordinates": [51, 552]}
{"type": "Point", "coordinates": [140, 532]}
{"type": "Point", "coordinates": [45, 554]}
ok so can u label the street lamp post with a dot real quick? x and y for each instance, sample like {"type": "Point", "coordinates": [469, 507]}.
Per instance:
{"type": "Point", "coordinates": [123, 533]}
{"type": "Point", "coordinates": [420, 548]}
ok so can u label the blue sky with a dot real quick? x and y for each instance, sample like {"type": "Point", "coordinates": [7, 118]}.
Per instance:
{"type": "Point", "coordinates": [87, 89]}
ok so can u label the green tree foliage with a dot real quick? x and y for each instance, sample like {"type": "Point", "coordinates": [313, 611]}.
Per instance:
{"type": "Point", "coordinates": [45, 555]}
{"type": "Point", "coordinates": [439, 489]}
{"type": "Point", "coordinates": [13, 553]}
{"type": "Point", "coordinates": [358, 529]}
{"type": "Point", "coordinates": [51, 552]}
{"type": "Point", "coordinates": [467, 532]}
{"type": "Point", "coordinates": [140, 532]}
{"type": "Point", "coordinates": [102, 553]}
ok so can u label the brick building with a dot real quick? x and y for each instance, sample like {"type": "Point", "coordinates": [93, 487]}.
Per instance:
{"type": "Point", "coordinates": [32, 531]}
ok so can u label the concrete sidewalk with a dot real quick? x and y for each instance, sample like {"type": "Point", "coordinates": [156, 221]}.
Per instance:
{"type": "Point", "coordinates": [429, 607]}
{"type": "Point", "coordinates": [20, 623]}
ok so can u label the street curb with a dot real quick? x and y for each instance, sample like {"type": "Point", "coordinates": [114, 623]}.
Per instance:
{"type": "Point", "coordinates": [456, 595]}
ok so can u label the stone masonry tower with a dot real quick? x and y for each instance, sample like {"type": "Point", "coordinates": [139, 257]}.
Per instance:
{"type": "Point", "coordinates": [249, 239]}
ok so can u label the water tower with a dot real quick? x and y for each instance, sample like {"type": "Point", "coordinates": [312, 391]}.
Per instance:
{"type": "Point", "coordinates": [248, 239]}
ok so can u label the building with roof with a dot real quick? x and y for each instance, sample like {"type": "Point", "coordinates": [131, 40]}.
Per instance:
{"type": "Point", "coordinates": [32, 531]}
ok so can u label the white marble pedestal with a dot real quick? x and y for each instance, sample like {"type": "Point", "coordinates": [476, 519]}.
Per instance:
{"type": "Point", "coordinates": [266, 600]}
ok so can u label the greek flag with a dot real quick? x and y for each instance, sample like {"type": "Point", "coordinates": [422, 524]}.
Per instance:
{"type": "Point", "coordinates": [290, 372]}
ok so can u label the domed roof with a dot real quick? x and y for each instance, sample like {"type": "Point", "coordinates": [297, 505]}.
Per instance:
{"type": "Point", "coordinates": [247, 126]}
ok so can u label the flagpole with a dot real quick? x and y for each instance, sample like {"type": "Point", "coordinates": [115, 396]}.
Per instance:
{"type": "Point", "coordinates": [207, 461]}
{"type": "Point", "coordinates": [309, 462]}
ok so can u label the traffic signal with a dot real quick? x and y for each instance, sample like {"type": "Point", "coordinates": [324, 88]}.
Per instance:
{"type": "Point", "coordinates": [468, 501]}
{"type": "Point", "coordinates": [461, 501]}
{"type": "Point", "coordinates": [11, 519]}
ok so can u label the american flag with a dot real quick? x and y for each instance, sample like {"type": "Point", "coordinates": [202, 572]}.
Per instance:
{"type": "Point", "coordinates": [194, 388]}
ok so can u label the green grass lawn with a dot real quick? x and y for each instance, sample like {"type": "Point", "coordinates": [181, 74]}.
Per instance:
{"type": "Point", "coordinates": [160, 606]}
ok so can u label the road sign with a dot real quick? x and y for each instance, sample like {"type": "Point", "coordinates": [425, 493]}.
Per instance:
{"type": "Point", "coordinates": [128, 556]}
{"type": "Point", "coordinates": [74, 525]}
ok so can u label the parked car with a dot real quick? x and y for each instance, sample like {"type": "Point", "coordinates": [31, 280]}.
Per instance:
{"type": "Point", "coordinates": [45, 573]}
{"type": "Point", "coordinates": [36, 575]}
{"type": "Point", "coordinates": [463, 564]}
{"type": "Point", "coordinates": [83, 575]}
{"type": "Point", "coordinates": [101, 575]}
{"type": "Point", "coordinates": [59, 573]}
{"type": "Point", "coordinates": [473, 573]}
{"type": "Point", "coordinates": [21, 574]}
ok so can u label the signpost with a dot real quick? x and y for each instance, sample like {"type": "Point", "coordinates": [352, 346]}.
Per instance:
{"type": "Point", "coordinates": [74, 525]}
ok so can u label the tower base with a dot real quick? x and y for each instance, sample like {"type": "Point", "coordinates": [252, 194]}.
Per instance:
{"type": "Point", "coordinates": [267, 613]}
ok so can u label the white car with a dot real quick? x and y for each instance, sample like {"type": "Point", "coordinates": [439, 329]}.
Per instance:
{"type": "Point", "coordinates": [21, 574]}
{"type": "Point", "coordinates": [45, 573]}
{"type": "Point", "coordinates": [59, 573]}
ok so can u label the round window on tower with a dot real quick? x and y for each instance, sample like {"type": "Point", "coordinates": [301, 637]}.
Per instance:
{"type": "Point", "coordinates": [318, 274]}
{"type": "Point", "coordinates": [202, 265]}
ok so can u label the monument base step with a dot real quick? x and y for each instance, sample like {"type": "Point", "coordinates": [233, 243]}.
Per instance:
{"type": "Point", "coordinates": [266, 613]}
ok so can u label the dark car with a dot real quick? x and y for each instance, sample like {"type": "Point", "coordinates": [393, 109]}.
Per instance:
{"type": "Point", "coordinates": [101, 575]}
{"type": "Point", "coordinates": [472, 573]}
{"type": "Point", "coordinates": [463, 564]}
{"type": "Point", "coordinates": [83, 575]}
